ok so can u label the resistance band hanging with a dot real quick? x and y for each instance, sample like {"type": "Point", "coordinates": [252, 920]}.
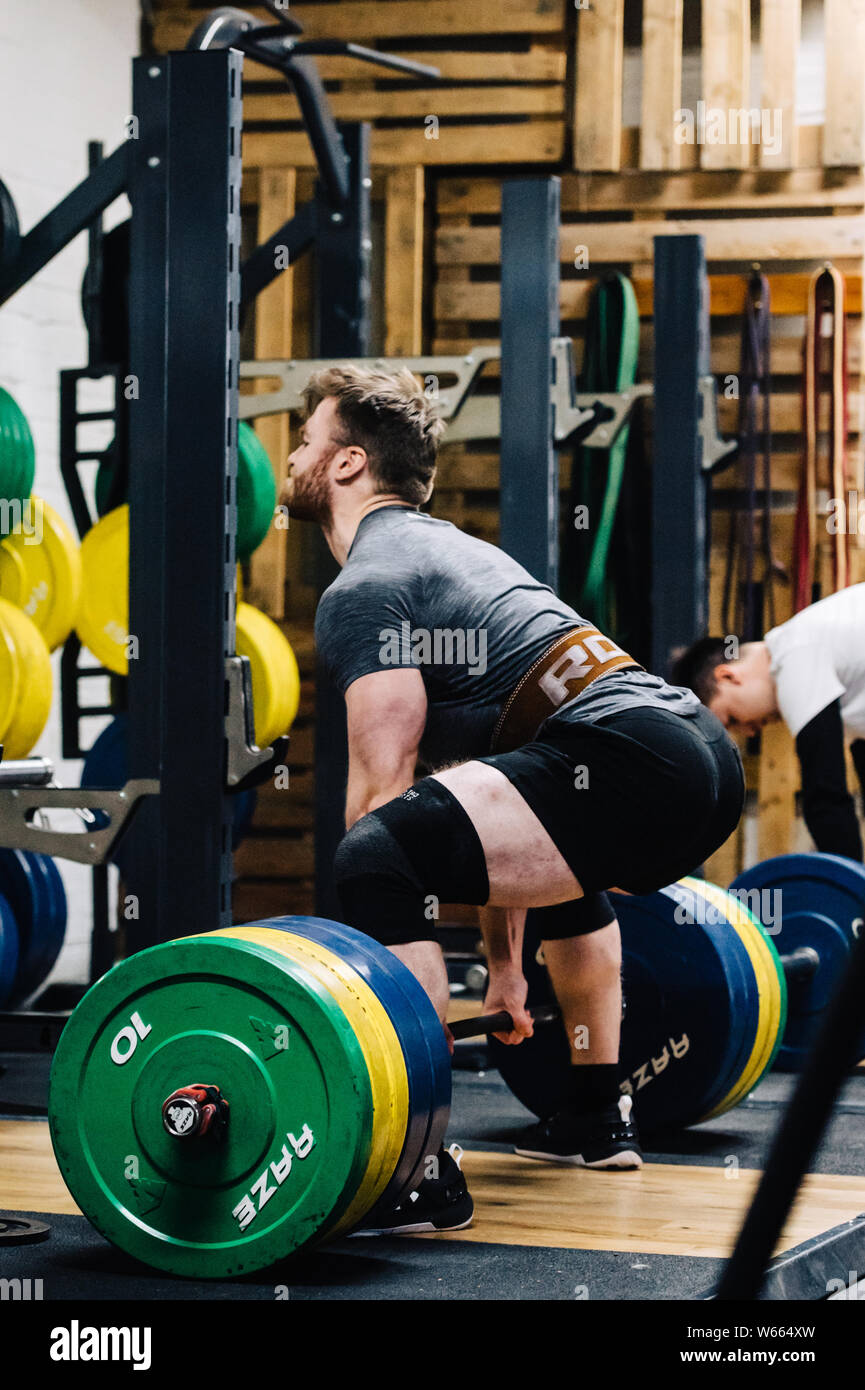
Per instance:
{"type": "Point", "coordinates": [744, 596]}
{"type": "Point", "coordinates": [609, 364]}
{"type": "Point", "coordinates": [825, 352]}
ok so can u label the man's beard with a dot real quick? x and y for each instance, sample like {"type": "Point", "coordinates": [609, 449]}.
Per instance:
{"type": "Point", "coordinates": [308, 497]}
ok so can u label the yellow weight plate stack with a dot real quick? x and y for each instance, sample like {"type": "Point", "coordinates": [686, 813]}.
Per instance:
{"type": "Point", "coordinates": [10, 677]}
{"type": "Point", "coordinates": [381, 1049]}
{"type": "Point", "coordinates": [275, 677]}
{"type": "Point", "coordinates": [34, 687]}
{"type": "Point", "coordinates": [103, 627]}
{"type": "Point", "coordinates": [103, 617]}
{"type": "Point", "coordinates": [769, 1017]}
{"type": "Point", "coordinates": [43, 576]}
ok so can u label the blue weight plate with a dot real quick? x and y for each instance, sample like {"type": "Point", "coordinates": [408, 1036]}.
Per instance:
{"type": "Point", "coordinates": [745, 997]}
{"type": "Point", "coordinates": [45, 943]}
{"type": "Point", "coordinates": [820, 903]}
{"type": "Point", "coordinates": [8, 952]}
{"type": "Point", "coordinates": [23, 887]}
{"type": "Point", "coordinates": [682, 1031]}
{"type": "Point", "coordinates": [418, 1029]}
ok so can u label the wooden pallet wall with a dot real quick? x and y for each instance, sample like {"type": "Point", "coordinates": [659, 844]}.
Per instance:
{"type": "Point", "coordinates": [501, 96]}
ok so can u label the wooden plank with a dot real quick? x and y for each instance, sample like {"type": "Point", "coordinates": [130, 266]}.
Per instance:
{"type": "Point", "coordinates": [726, 87]}
{"type": "Point", "coordinates": [662, 84]}
{"type": "Point", "coordinates": [398, 103]}
{"type": "Point", "coordinates": [254, 900]}
{"type": "Point", "coordinates": [275, 856]}
{"type": "Point", "coordinates": [541, 62]}
{"type": "Point", "coordinates": [531, 141]}
{"type": "Point", "coordinates": [726, 350]}
{"type": "Point", "coordinates": [787, 413]}
{"type": "Point", "coordinates": [845, 85]}
{"type": "Point", "coordinates": [404, 261]}
{"type": "Point", "coordinates": [810, 139]}
{"type": "Point", "coordinates": [723, 866]}
{"type": "Point", "coordinates": [598, 102]}
{"type": "Point", "coordinates": [740, 239]}
{"type": "Point", "coordinates": [632, 190]}
{"type": "Point", "coordinates": [780, 25]}
{"type": "Point", "coordinates": [301, 749]}
{"type": "Point", "coordinates": [365, 20]}
{"type": "Point", "coordinates": [786, 352]}
{"type": "Point", "coordinates": [777, 791]}
{"type": "Point", "coordinates": [274, 310]}
{"type": "Point", "coordinates": [465, 300]}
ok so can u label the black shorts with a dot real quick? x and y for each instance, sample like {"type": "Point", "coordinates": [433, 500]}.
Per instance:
{"type": "Point", "coordinates": [635, 801]}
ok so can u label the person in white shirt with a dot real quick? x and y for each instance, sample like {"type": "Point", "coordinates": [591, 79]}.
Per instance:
{"type": "Point", "coordinates": [810, 672]}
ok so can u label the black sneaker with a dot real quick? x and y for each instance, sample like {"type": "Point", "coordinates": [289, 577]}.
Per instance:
{"type": "Point", "coordinates": [604, 1138]}
{"type": "Point", "coordinates": [439, 1204]}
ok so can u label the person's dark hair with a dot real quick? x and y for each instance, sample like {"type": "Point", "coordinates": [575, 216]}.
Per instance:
{"type": "Point", "coordinates": [390, 416]}
{"type": "Point", "coordinates": [696, 667]}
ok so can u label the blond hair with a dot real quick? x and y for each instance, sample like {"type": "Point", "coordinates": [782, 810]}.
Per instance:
{"type": "Point", "coordinates": [390, 416]}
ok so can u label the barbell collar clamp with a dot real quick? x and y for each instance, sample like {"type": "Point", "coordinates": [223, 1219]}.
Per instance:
{"type": "Point", "coordinates": [195, 1112]}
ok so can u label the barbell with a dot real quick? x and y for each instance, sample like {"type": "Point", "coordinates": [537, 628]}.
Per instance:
{"type": "Point", "coordinates": [221, 1101]}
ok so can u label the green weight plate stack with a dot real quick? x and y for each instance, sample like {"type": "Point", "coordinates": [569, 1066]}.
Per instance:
{"type": "Point", "coordinates": [17, 459]}
{"type": "Point", "coordinates": [215, 1011]}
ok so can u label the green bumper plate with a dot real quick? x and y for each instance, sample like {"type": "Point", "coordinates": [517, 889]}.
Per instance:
{"type": "Point", "coordinates": [221, 1012]}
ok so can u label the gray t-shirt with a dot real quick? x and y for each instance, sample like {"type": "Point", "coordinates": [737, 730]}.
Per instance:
{"type": "Point", "coordinates": [417, 591]}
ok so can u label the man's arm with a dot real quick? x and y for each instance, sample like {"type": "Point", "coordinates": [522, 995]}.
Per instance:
{"type": "Point", "coordinates": [386, 716]}
{"type": "Point", "coordinates": [502, 929]}
{"type": "Point", "coordinates": [827, 805]}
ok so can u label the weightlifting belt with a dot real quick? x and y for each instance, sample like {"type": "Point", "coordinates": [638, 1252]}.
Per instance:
{"type": "Point", "coordinates": [825, 337]}
{"type": "Point", "coordinates": [557, 678]}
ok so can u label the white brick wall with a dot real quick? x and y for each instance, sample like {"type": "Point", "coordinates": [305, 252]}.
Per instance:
{"type": "Point", "coordinates": [65, 78]}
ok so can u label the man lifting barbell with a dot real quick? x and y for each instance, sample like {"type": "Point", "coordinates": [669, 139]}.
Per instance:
{"type": "Point", "coordinates": [559, 767]}
{"type": "Point", "coordinates": [810, 672]}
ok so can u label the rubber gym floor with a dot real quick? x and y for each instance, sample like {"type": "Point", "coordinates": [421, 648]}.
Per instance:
{"type": "Point", "coordinates": [540, 1232]}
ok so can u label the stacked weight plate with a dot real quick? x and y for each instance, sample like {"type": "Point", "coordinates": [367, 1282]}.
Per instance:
{"type": "Point", "coordinates": [256, 489]}
{"type": "Point", "coordinates": [816, 901]}
{"type": "Point", "coordinates": [761, 1032]}
{"type": "Point", "coordinates": [25, 681]}
{"type": "Point", "coordinates": [32, 922]}
{"type": "Point", "coordinates": [704, 1005]}
{"type": "Point", "coordinates": [40, 572]}
{"type": "Point", "coordinates": [103, 627]}
{"type": "Point", "coordinates": [328, 1054]}
{"type": "Point", "coordinates": [17, 458]}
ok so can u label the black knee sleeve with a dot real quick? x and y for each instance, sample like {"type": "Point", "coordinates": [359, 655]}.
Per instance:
{"type": "Point", "coordinates": [575, 918]}
{"type": "Point", "coordinates": [397, 864]}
